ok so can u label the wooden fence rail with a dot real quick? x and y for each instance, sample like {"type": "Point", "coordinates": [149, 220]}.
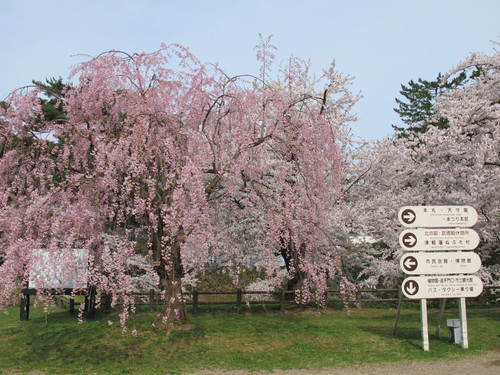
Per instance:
{"type": "Point", "coordinates": [284, 297]}
{"type": "Point", "coordinates": [281, 298]}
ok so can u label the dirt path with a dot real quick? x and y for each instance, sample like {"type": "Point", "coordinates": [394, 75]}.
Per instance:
{"type": "Point", "coordinates": [484, 365]}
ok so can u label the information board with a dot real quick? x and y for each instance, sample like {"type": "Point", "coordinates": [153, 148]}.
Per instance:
{"type": "Point", "coordinates": [55, 269]}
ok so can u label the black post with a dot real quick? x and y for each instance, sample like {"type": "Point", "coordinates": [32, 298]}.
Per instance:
{"type": "Point", "coordinates": [90, 303]}
{"type": "Point", "coordinates": [195, 301]}
{"type": "Point", "coordinates": [107, 302]}
{"type": "Point", "coordinates": [238, 300]}
{"type": "Point", "coordinates": [25, 306]}
{"type": "Point", "coordinates": [282, 300]}
{"type": "Point", "coordinates": [72, 305]}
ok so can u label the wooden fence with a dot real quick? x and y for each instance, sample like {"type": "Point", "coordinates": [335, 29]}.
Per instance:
{"type": "Point", "coordinates": [197, 299]}
{"type": "Point", "coordinates": [239, 298]}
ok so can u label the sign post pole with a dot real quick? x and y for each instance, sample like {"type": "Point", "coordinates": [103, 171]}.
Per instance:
{"type": "Point", "coordinates": [463, 324]}
{"type": "Point", "coordinates": [425, 325]}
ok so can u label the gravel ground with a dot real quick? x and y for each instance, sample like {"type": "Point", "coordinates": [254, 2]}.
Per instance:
{"type": "Point", "coordinates": [483, 365]}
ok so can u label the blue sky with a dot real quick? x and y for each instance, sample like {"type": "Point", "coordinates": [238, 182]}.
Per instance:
{"type": "Point", "coordinates": [382, 43]}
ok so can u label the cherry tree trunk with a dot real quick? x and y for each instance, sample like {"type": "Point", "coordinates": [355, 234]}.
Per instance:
{"type": "Point", "coordinates": [292, 262]}
{"type": "Point", "coordinates": [170, 274]}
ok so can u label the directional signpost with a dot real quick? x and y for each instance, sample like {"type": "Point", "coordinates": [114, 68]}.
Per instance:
{"type": "Point", "coordinates": [443, 263]}
{"type": "Point", "coordinates": [437, 238]}
{"type": "Point", "coordinates": [437, 216]}
{"type": "Point", "coordinates": [460, 286]}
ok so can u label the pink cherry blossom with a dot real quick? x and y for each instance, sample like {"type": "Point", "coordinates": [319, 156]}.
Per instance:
{"type": "Point", "coordinates": [199, 164]}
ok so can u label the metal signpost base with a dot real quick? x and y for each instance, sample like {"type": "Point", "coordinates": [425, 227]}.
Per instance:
{"type": "Point", "coordinates": [463, 324]}
{"type": "Point", "coordinates": [425, 325]}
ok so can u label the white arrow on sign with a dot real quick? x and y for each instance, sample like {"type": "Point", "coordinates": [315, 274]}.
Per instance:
{"type": "Point", "coordinates": [409, 239]}
{"type": "Point", "coordinates": [408, 216]}
{"type": "Point", "coordinates": [411, 287]}
{"type": "Point", "coordinates": [457, 286]}
{"type": "Point", "coordinates": [437, 216]}
{"type": "Point", "coordinates": [409, 263]}
{"type": "Point", "coordinates": [439, 239]}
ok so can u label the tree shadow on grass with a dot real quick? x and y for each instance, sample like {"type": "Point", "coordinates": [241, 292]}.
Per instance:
{"type": "Point", "coordinates": [406, 334]}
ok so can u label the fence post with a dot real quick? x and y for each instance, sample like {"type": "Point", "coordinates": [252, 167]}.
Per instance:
{"type": "Point", "coordinates": [106, 302]}
{"type": "Point", "coordinates": [195, 301]}
{"type": "Point", "coordinates": [90, 303]}
{"type": "Point", "coordinates": [480, 299]}
{"type": "Point", "coordinates": [72, 305]}
{"type": "Point", "coordinates": [238, 300]}
{"type": "Point", "coordinates": [358, 299]}
{"type": "Point", "coordinates": [151, 300]}
{"type": "Point", "coordinates": [282, 300]}
{"type": "Point", "coordinates": [24, 306]}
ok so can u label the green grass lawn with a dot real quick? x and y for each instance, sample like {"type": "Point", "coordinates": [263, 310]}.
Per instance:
{"type": "Point", "coordinates": [218, 338]}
